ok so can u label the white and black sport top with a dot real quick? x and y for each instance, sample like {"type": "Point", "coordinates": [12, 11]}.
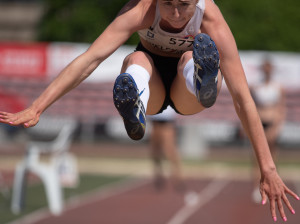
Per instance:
{"type": "Point", "coordinates": [176, 43]}
{"type": "Point", "coordinates": [267, 94]}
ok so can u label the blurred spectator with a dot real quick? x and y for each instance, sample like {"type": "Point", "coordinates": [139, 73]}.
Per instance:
{"type": "Point", "coordinates": [163, 144]}
{"type": "Point", "coordinates": [269, 97]}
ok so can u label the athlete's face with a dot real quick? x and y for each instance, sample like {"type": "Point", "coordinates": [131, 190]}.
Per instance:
{"type": "Point", "coordinates": [267, 70]}
{"type": "Point", "coordinates": [175, 14]}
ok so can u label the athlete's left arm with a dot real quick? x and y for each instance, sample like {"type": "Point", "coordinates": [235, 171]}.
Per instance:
{"type": "Point", "coordinates": [271, 184]}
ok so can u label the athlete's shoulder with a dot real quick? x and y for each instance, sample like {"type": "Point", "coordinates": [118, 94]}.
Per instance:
{"type": "Point", "coordinates": [142, 6]}
{"type": "Point", "coordinates": [146, 10]}
{"type": "Point", "coordinates": [212, 15]}
{"type": "Point", "coordinates": [148, 2]}
{"type": "Point", "coordinates": [139, 12]}
{"type": "Point", "coordinates": [142, 3]}
{"type": "Point", "coordinates": [148, 5]}
{"type": "Point", "coordinates": [135, 4]}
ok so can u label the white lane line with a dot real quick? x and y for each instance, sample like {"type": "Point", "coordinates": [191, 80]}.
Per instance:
{"type": "Point", "coordinates": [195, 201]}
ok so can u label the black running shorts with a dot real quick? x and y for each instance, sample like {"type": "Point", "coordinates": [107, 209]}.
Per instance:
{"type": "Point", "coordinates": [167, 68]}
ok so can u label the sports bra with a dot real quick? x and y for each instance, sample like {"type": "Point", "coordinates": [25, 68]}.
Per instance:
{"type": "Point", "coordinates": [174, 43]}
{"type": "Point", "coordinates": [267, 94]}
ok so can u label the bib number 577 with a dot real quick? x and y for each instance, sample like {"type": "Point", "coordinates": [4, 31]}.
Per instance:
{"type": "Point", "coordinates": [180, 42]}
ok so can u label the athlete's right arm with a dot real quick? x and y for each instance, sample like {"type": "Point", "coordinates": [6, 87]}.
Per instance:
{"type": "Point", "coordinates": [133, 16]}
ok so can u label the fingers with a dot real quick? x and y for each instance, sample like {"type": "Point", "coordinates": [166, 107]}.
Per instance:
{"type": "Point", "coordinates": [287, 190]}
{"type": "Point", "coordinates": [263, 197]}
{"type": "Point", "coordinates": [281, 209]}
{"type": "Point", "coordinates": [27, 118]}
{"type": "Point", "coordinates": [4, 116]}
{"type": "Point", "coordinates": [26, 125]}
{"type": "Point", "coordinates": [19, 121]}
{"type": "Point", "coordinates": [273, 210]}
{"type": "Point", "coordinates": [274, 189]}
{"type": "Point", "coordinates": [7, 118]}
{"type": "Point", "coordinates": [30, 123]}
{"type": "Point", "coordinates": [12, 119]}
{"type": "Point", "coordinates": [279, 200]}
{"type": "Point", "coordinates": [288, 204]}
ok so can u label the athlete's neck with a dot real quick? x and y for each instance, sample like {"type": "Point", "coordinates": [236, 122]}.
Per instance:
{"type": "Point", "coordinates": [165, 26]}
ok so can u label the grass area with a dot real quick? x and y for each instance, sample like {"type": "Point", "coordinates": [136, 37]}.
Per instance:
{"type": "Point", "coordinates": [36, 197]}
{"type": "Point", "coordinates": [243, 163]}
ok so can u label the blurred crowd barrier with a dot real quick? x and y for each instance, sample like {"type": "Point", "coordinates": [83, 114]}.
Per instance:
{"type": "Point", "coordinates": [27, 69]}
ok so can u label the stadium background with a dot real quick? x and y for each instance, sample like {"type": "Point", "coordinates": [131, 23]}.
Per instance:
{"type": "Point", "coordinates": [38, 38]}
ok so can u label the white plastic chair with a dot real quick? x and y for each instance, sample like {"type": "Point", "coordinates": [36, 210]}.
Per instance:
{"type": "Point", "coordinates": [63, 130]}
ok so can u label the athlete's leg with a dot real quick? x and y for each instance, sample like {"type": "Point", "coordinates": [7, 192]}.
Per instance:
{"type": "Point", "coordinates": [182, 91]}
{"type": "Point", "coordinates": [132, 89]}
{"type": "Point", "coordinates": [157, 156]}
{"type": "Point", "coordinates": [206, 61]}
{"type": "Point", "coordinates": [167, 132]}
{"type": "Point", "coordinates": [157, 91]}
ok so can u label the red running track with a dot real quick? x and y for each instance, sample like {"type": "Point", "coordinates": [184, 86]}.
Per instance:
{"type": "Point", "coordinates": [218, 201]}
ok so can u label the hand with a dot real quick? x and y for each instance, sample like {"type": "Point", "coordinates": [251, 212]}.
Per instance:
{"type": "Point", "coordinates": [272, 186]}
{"type": "Point", "coordinates": [27, 118]}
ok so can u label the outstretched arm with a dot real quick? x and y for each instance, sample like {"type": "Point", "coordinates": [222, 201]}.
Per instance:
{"type": "Point", "coordinates": [232, 70]}
{"type": "Point", "coordinates": [130, 19]}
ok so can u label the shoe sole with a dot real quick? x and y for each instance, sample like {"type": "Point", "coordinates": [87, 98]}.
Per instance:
{"type": "Point", "coordinates": [206, 59]}
{"type": "Point", "coordinates": [125, 96]}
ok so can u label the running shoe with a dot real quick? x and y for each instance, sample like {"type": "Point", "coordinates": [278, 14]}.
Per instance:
{"type": "Point", "coordinates": [206, 62]}
{"type": "Point", "coordinates": [126, 98]}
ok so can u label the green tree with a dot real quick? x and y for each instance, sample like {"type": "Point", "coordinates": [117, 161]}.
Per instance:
{"type": "Point", "coordinates": [263, 25]}
{"type": "Point", "coordinates": [77, 20]}
{"type": "Point", "coordinates": [256, 24]}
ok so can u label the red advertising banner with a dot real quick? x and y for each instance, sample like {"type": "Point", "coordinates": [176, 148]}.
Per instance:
{"type": "Point", "coordinates": [22, 59]}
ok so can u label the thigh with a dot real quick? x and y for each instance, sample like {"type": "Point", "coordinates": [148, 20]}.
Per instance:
{"type": "Point", "coordinates": [185, 102]}
{"type": "Point", "coordinates": [157, 90]}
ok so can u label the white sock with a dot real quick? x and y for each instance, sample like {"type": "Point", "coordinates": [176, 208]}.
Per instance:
{"type": "Point", "coordinates": [188, 73]}
{"type": "Point", "coordinates": [141, 77]}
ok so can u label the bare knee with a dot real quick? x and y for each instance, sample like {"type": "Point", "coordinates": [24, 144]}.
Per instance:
{"type": "Point", "coordinates": [139, 58]}
{"type": "Point", "coordinates": [183, 60]}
